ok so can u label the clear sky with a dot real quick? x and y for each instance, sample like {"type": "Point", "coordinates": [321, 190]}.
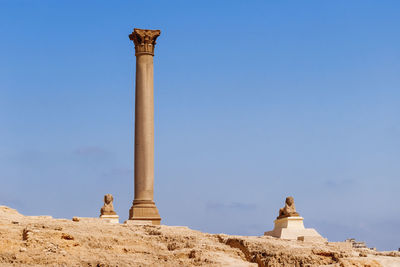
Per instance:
{"type": "Point", "coordinates": [254, 101]}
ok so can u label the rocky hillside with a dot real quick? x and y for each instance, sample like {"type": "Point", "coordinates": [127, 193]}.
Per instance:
{"type": "Point", "coordinates": [44, 241]}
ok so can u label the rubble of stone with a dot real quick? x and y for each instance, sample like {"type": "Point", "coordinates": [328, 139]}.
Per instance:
{"type": "Point", "coordinates": [44, 241]}
{"type": "Point", "coordinates": [357, 244]}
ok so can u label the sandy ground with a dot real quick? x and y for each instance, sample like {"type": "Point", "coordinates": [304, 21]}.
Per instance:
{"type": "Point", "coordinates": [44, 241]}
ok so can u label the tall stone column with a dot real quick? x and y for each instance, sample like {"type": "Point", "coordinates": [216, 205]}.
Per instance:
{"type": "Point", "coordinates": [144, 208]}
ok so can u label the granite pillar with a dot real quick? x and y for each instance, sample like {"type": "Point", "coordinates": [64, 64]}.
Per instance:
{"type": "Point", "coordinates": [144, 208]}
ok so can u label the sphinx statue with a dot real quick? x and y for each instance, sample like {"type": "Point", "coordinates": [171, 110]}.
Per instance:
{"type": "Point", "coordinates": [108, 208]}
{"type": "Point", "coordinates": [289, 225]}
{"type": "Point", "coordinates": [289, 210]}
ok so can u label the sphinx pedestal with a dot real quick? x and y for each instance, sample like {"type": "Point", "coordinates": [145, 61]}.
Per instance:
{"type": "Point", "coordinates": [293, 228]}
{"type": "Point", "coordinates": [110, 218]}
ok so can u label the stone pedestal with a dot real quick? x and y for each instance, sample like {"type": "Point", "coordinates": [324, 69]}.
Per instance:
{"type": "Point", "coordinates": [293, 228]}
{"type": "Point", "coordinates": [143, 207]}
{"type": "Point", "coordinates": [138, 222]}
{"type": "Point", "coordinates": [110, 218]}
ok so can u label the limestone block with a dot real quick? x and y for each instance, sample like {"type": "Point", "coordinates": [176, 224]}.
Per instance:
{"type": "Point", "coordinates": [290, 222]}
{"type": "Point", "coordinates": [138, 222]}
{"type": "Point", "coordinates": [145, 211]}
{"type": "Point", "coordinates": [110, 218]}
{"type": "Point", "coordinates": [293, 228]}
{"type": "Point", "coordinates": [312, 238]}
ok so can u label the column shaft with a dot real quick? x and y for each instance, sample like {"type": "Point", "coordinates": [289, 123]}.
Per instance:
{"type": "Point", "coordinates": [144, 129]}
{"type": "Point", "coordinates": [144, 208]}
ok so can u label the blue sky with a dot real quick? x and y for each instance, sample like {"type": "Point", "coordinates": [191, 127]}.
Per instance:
{"type": "Point", "coordinates": [254, 101]}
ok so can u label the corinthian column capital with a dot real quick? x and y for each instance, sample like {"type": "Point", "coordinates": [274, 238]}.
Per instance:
{"type": "Point", "coordinates": [144, 40]}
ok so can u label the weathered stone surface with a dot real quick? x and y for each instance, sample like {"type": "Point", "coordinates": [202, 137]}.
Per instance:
{"type": "Point", "coordinates": [293, 228]}
{"type": "Point", "coordinates": [110, 218]}
{"type": "Point", "coordinates": [289, 210]}
{"type": "Point", "coordinates": [60, 242]}
{"type": "Point", "coordinates": [145, 40]}
{"type": "Point", "coordinates": [108, 208]}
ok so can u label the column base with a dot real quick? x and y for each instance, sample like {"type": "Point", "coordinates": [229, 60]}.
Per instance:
{"type": "Point", "coordinates": [143, 210]}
